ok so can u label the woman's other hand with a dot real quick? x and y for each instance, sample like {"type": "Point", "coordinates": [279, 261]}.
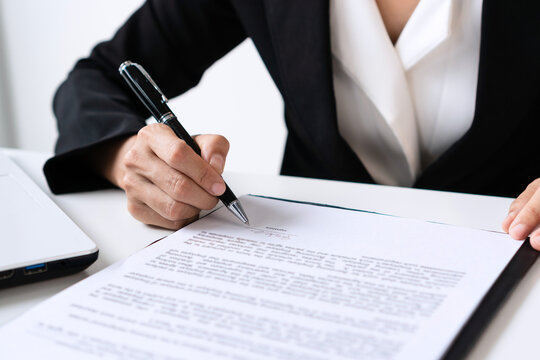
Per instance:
{"type": "Point", "coordinates": [524, 215]}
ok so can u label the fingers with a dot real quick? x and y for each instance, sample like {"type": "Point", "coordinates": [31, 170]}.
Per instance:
{"type": "Point", "coordinates": [214, 150]}
{"type": "Point", "coordinates": [166, 182]}
{"type": "Point", "coordinates": [527, 219]}
{"type": "Point", "coordinates": [524, 215]}
{"type": "Point", "coordinates": [150, 205]}
{"type": "Point", "coordinates": [518, 204]}
{"type": "Point", "coordinates": [148, 216]}
{"type": "Point", "coordinates": [178, 155]}
{"type": "Point", "coordinates": [177, 186]}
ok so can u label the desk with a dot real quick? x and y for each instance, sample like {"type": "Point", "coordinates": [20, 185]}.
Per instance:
{"type": "Point", "coordinates": [103, 216]}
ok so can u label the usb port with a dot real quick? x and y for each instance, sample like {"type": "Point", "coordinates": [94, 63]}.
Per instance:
{"type": "Point", "coordinates": [6, 274]}
{"type": "Point", "coordinates": [35, 269]}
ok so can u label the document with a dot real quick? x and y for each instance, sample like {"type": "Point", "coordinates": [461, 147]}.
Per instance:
{"type": "Point", "coordinates": [302, 282]}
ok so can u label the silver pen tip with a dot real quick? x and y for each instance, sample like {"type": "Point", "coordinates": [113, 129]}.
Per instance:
{"type": "Point", "coordinates": [236, 208]}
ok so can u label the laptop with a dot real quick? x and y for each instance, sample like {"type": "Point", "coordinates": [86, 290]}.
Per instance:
{"type": "Point", "coordinates": [37, 240]}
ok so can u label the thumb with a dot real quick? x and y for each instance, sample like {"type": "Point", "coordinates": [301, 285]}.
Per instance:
{"type": "Point", "coordinates": [214, 149]}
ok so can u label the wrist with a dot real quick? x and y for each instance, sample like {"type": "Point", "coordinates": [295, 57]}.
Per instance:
{"type": "Point", "coordinates": [108, 159]}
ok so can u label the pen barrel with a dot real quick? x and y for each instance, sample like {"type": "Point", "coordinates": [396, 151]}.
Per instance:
{"type": "Point", "coordinates": [179, 130]}
{"type": "Point", "coordinates": [228, 196]}
{"type": "Point", "coordinates": [153, 98]}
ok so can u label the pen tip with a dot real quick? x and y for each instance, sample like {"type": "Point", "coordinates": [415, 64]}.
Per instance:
{"type": "Point", "coordinates": [236, 208]}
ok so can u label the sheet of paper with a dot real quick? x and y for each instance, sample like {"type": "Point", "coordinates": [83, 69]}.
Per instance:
{"type": "Point", "coordinates": [303, 282]}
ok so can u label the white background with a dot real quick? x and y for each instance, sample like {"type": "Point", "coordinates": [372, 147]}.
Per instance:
{"type": "Point", "coordinates": [40, 41]}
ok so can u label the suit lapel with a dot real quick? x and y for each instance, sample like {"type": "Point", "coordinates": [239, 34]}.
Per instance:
{"type": "Point", "coordinates": [300, 36]}
{"type": "Point", "coordinates": [502, 92]}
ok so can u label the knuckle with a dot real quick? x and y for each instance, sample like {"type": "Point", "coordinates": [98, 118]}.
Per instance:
{"type": "Point", "coordinates": [128, 182]}
{"type": "Point", "coordinates": [178, 186]}
{"type": "Point", "coordinates": [514, 206]}
{"type": "Point", "coordinates": [145, 133]}
{"type": "Point", "coordinates": [223, 142]}
{"type": "Point", "coordinates": [204, 175]}
{"type": "Point", "coordinates": [534, 184]}
{"type": "Point", "coordinates": [530, 213]}
{"type": "Point", "coordinates": [131, 158]}
{"type": "Point", "coordinates": [178, 152]}
{"type": "Point", "coordinates": [174, 210]}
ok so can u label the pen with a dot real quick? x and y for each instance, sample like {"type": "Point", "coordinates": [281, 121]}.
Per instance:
{"type": "Point", "coordinates": [152, 97]}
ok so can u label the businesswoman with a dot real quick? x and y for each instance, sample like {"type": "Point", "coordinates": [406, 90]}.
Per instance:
{"type": "Point", "coordinates": [436, 94]}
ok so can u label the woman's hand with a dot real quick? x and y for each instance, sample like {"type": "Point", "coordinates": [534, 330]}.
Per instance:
{"type": "Point", "coordinates": [166, 182]}
{"type": "Point", "coordinates": [524, 215]}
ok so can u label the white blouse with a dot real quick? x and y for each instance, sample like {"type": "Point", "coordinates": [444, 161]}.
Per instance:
{"type": "Point", "coordinates": [400, 107]}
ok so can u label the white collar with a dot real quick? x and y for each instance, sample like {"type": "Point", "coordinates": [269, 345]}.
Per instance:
{"type": "Point", "coordinates": [361, 44]}
{"type": "Point", "coordinates": [415, 42]}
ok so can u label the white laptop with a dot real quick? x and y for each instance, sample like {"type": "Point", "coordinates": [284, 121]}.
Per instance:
{"type": "Point", "coordinates": [37, 240]}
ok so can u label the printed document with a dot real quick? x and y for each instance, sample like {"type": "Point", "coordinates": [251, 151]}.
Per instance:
{"type": "Point", "coordinates": [302, 282]}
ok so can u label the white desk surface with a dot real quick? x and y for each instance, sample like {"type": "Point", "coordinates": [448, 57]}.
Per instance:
{"type": "Point", "coordinates": [513, 333]}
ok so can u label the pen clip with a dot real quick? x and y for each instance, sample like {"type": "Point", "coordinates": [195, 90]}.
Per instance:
{"type": "Point", "coordinates": [125, 64]}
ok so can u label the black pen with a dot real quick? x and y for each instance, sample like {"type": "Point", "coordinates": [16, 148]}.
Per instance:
{"type": "Point", "coordinates": [152, 97]}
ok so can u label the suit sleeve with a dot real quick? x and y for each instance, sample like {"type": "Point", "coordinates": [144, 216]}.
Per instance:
{"type": "Point", "coordinates": [175, 40]}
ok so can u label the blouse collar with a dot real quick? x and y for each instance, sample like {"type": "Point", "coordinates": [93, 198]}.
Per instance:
{"type": "Point", "coordinates": [415, 42]}
{"type": "Point", "coordinates": [360, 42]}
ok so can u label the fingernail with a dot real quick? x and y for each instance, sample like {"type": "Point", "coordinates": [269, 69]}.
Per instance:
{"type": "Point", "coordinates": [217, 162]}
{"type": "Point", "coordinates": [507, 221]}
{"type": "Point", "coordinates": [218, 188]}
{"type": "Point", "coordinates": [535, 241]}
{"type": "Point", "coordinates": [518, 232]}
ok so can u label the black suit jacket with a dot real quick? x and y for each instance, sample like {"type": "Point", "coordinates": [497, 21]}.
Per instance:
{"type": "Point", "coordinates": [498, 156]}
